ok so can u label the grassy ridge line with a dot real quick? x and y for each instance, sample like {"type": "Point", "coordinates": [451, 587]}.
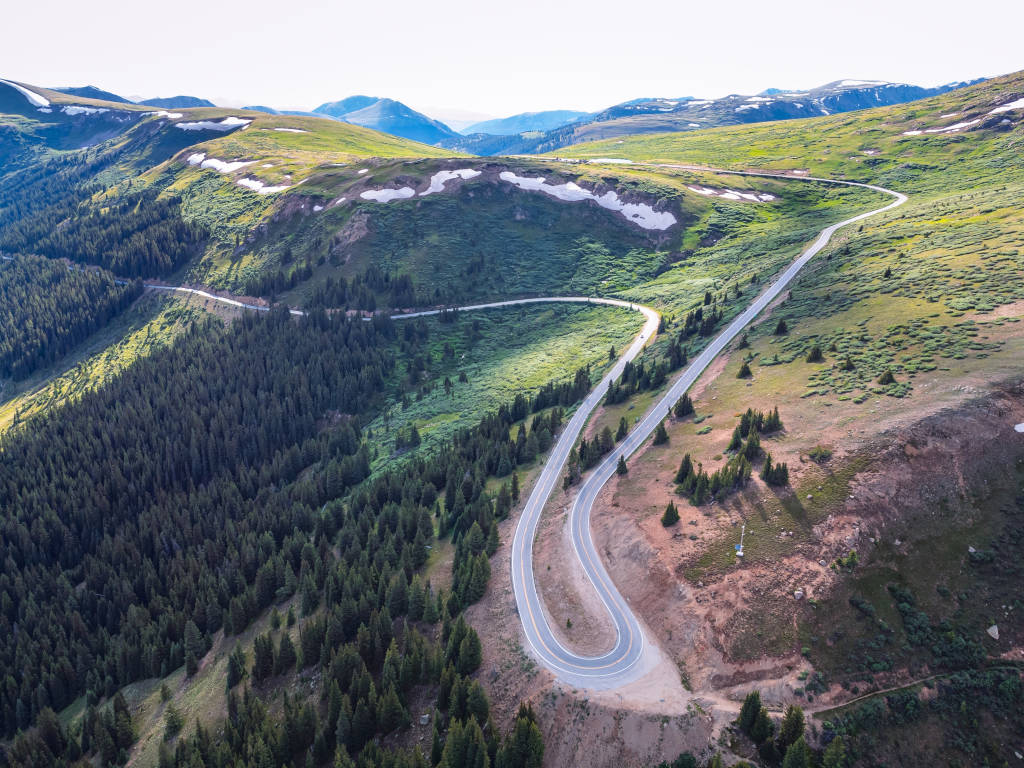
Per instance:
{"type": "Point", "coordinates": [866, 144]}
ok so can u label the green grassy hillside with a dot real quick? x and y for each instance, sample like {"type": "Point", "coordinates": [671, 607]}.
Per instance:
{"type": "Point", "coordinates": [903, 341]}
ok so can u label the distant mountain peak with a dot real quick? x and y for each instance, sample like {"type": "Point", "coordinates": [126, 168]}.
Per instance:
{"type": "Point", "coordinates": [177, 102]}
{"type": "Point", "coordinates": [92, 92]}
{"type": "Point", "coordinates": [526, 121]}
{"type": "Point", "coordinates": [388, 116]}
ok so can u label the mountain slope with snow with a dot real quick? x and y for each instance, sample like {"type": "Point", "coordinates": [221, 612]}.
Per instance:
{"type": "Point", "coordinates": [660, 115]}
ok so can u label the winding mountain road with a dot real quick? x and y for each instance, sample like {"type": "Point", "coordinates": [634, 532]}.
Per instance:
{"type": "Point", "coordinates": [632, 656]}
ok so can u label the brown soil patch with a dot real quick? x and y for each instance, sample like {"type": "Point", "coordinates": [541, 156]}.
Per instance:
{"type": "Point", "coordinates": [567, 593]}
{"type": "Point", "coordinates": [715, 629]}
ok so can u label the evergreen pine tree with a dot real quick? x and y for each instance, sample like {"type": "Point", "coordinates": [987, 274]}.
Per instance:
{"type": "Point", "coordinates": [236, 667]}
{"type": "Point", "coordinates": [792, 726]}
{"type": "Point", "coordinates": [835, 754]}
{"type": "Point", "coordinates": [685, 470]}
{"type": "Point", "coordinates": [623, 429]}
{"type": "Point", "coordinates": [684, 406]}
{"type": "Point", "coordinates": [736, 442]}
{"type": "Point", "coordinates": [753, 447]}
{"type": "Point", "coordinates": [622, 468]}
{"type": "Point", "coordinates": [671, 515]}
{"type": "Point", "coordinates": [286, 655]}
{"type": "Point", "coordinates": [701, 488]}
{"type": "Point", "coordinates": [660, 435]}
{"type": "Point", "coordinates": [748, 712]}
{"type": "Point", "coordinates": [173, 721]}
{"type": "Point", "coordinates": [761, 730]}
{"type": "Point", "coordinates": [470, 653]}
{"type": "Point", "coordinates": [798, 755]}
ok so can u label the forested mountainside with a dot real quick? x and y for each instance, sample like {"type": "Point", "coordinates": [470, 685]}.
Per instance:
{"type": "Point", "coordinates": [235, 538]}
{"type": "Point", "coordinates": [222, 458]}
{"type": "Point", "coordinates": [48, 306]}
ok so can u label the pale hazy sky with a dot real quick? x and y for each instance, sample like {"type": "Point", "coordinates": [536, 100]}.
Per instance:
{"type": "Point", "coordinates": [499, 58]}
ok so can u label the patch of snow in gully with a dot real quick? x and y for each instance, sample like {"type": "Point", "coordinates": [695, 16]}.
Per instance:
{"type": "Point", "coordinates": [227, 124]}
{"type": "Point", "coordinates": [260, 187]}
{"type": "Point", "coordinates": [74, 109]}
{"type": "Point", "coordinates": [440, 178]}
{"type": "Point", "coordinates": [387, 195]}
{"type": "Point", "coordinates": [640, 214]}
{"type": "Point", "coordinates": [1018, 104]}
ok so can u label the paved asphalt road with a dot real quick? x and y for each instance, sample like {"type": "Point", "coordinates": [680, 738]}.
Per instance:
{"type": "Point", "coordinates": [631, 656]}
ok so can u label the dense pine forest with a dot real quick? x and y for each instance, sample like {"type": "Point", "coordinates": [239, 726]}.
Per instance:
{"type": "Point", "coordinates": [239, 480]}
{"type": "Point", "coordinates": [135, 235]}
{"type": "Point", "coordinates": [56, 208]}
{"type": "Point", "coordinates": [46, 308]}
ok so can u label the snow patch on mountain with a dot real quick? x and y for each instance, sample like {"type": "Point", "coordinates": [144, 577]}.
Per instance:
{"type": "Point", "coordinates": [74, 109]}
{"type": "Point", "coordinates": [640, 214]}
{"type": "Point", "coordinates": [387, 195]}
{"type": "Point", "coordinates": [213, 164]}
{"type": "Point", "coordinates": [227, 124]}
{"type": "Point", "coordinates": [953, 128]}
{"type": "Point", "coordinates": [1018, 104]}
{"type": "Point", "coordinates": [732, 194]}
{"type": "Point", "coordinates": [33, 98]}
{"type": "Point", "coordinates": [261, 187]}
{"type": "Point", "coordinates": [439, 179]}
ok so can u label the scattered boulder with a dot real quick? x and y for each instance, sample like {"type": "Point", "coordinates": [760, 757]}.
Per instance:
{"type": "Point", "coordinates": [993, 632]}
{"type": "Point", "coordinates": [798, 594]}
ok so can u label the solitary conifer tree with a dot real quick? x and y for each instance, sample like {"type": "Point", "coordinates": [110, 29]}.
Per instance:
{"type": "Point", "coordinates": [684, 406]}
{"type": "Point", "coordinates": [671, 516]}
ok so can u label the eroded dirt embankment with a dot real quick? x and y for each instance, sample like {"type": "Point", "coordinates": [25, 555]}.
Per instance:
{"type": "Point", "coordinates": [740, 624]}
